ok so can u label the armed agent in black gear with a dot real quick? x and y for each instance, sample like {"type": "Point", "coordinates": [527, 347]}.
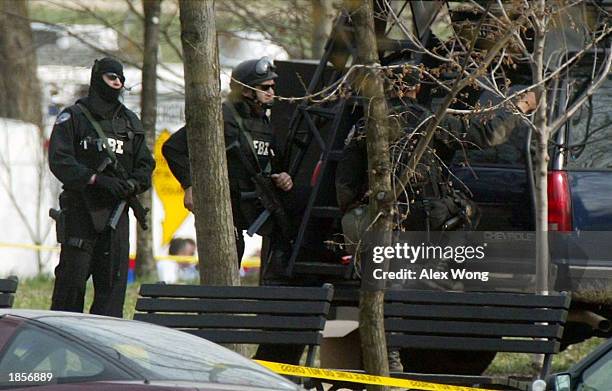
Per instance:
{"type": "Point", "coordinates": [250, 144]}
{"type": "Point", "coordinates": [258, 186]}
{"type": "Point", "coordinates": [98, 151]}
{"type": "Point", "coordinates": [432, 203]}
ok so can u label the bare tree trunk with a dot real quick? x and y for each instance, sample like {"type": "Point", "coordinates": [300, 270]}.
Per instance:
{"type": "Point", "coordinates": [539, 21]}
{"type": "Point", "coordinates": [322, 18]}
{"type": "Point", "coordinates": [20, 93]}
{"type": "Point", "coordinates": [20, 90]}
{"type": "Point", "coordinates": [145, 263]}
{"type": "Point", "coordinates": [213, 215]}
{"type": "Point", "coordinates": [371, 325]}
{"type": "Point", "coordinates": [542, 158]}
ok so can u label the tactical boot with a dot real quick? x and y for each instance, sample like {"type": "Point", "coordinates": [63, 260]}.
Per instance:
{"type": "Point", "coordinates": [395, 363]}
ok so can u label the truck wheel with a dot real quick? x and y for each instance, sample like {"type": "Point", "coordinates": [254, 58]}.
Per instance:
{"type": "Point", "coordinates": [446, 361]}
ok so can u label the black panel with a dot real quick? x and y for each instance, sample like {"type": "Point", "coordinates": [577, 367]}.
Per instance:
{"type": "Point", "coordinates": [469, 312]}
{"type": "Point", "coordinates": [232, 306]}
{"type": "Point", "coordinates": [8, 285]}
{"type": "Point", "coordinates": [258, 337]}
{"type": "Point", "coordinates": [484, 344]}
{"type": "Point", "coordinates": [238, 292]}
{"type": "Point", "coordinates": [472, 328]}
{"type": "Point", "coordinates": [235, 321]}
{"type": "Point", "coordinates": [491, 299]}
{"type": "Point", "coordinates": [6, 300]}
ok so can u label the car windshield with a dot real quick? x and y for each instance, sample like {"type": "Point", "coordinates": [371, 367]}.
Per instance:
{"type": "Point", "coordinates": [160, 353]}
{"type": "Point", "coordinates": [597, 376]}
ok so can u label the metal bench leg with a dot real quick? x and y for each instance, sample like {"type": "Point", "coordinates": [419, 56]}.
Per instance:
{"type": "Point", "coordinates": [546, 366]}
{"type": "Point", "coordinates": [310, 355]}
{"type": "Point", "coordinates": [308, 382]}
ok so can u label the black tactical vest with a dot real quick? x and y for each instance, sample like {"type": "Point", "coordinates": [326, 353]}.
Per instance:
{"type": "Point", "coordinates": [120, 132]}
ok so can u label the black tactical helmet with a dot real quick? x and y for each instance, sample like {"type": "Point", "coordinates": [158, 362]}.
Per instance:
{"type": "Point", "coordinates": [253, 72]}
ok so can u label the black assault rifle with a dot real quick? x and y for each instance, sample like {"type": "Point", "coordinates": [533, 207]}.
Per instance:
{"type": "Point", "coordinates": [140, 212]}
{"type": "Point", "coordinates": [266, 193]}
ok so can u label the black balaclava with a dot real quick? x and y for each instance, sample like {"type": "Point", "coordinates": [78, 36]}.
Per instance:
{"type": "Point", "coordinates": [97, 85]}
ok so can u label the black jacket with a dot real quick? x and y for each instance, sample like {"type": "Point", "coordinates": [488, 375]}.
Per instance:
{"type": "Point", "coordinates": [454, 133]}
{"type": "Point", "coordinates": [75, 150]}
{"type": "Point", "coordinates": [176, 152]}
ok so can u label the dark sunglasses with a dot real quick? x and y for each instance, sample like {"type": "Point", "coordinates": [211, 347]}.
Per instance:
{"type": "Point", "coordinates": [112, 76]}
{"type": "Point", "coordinates": [266, 87]}
{"type": "Point", "coordinates": [263, 66]}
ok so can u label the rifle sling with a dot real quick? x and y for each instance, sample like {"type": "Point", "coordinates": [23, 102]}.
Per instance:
{"type": "Point", "coordinates": [99, 131]}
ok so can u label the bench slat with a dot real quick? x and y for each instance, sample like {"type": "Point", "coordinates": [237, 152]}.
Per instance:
{"type": "Point", "coordinates": [259, 337]}
{"type": "Point", "coordinates": [471, 312]}
{"type": "Point", "coordinates": [6, 300]}
{"type": "Point", "coordinates": [489, 299]}
{"type": "Point", "coordinates": [8, 285]}
{"type": "Point", "coordinates": [472, 328]}
{"type": "Point", "coordinates": [459, 343]}
{"type": "Point", "coordinates": [233, 306]}
{"type": "Point", "coordinates": [234, 321]}
{"type": "Point", "coordinates": [235, 292]}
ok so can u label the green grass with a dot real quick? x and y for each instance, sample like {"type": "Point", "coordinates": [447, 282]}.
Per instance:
{"type": "Point", "coordinates": [520, 364]}
{"type": "Point", "coordinates": [36, 293]}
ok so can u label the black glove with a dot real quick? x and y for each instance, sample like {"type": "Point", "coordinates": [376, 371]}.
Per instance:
{"type": "Point", "coordinates": [135, 188]}
{"type": "Point", "coordinates": [117, 187]}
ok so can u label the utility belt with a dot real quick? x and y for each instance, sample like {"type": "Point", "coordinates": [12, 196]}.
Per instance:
{"type": "Point", "coordinates": [59, 216]}
{"type": "Point", "coordinates": [69, 201]}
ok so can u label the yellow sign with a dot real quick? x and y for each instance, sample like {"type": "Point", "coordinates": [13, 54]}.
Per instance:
{"type": "Point", "coordinates": [352, 377]}
{"type": "Point", "coordinates": [169, 191]}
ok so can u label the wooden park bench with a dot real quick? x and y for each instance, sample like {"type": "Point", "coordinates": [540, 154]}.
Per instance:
{"type": "Point", "coordinates": [469, 321]}
{"type": "Point", "coordinates": [244, 315]}
{"type": "Point", "coordinates": [8, 287]}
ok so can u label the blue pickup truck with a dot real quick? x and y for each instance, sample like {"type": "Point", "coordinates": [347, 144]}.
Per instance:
{"type": "Point", "coordinates": [580, 202]}
{"type": "Point", "coordinates": [579, 190]}
{"type": "Point", "coordinates": [579, 182]}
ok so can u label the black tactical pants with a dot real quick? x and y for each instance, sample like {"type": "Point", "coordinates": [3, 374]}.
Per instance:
{"type": "Point", "coordinates": [104, 256]}
{"type": "Point", "coordinates": [238, 232]}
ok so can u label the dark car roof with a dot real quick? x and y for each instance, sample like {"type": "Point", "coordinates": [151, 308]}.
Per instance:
{"type": "Point", "coordinates": [56, 319]}
{"type": "Point", "coordinates": [39, 314]}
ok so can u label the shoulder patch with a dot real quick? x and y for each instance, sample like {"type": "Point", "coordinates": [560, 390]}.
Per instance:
{"type": "Point", "coordinates": [63, 117]}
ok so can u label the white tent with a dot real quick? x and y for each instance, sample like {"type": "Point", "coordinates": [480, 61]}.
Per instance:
{"type": "Point", "coordinates": [27, 191]}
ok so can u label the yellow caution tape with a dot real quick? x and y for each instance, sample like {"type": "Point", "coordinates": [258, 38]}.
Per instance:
{"type": "Point", "coordinates": [30, 246]}
{"type": "Point", "coordinates": [321, 373]}
{"type": "Point", "coordinates": [251, 262]}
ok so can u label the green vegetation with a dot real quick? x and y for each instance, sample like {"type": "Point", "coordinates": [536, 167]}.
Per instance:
{"type": "Point", "coordinates": [126, 23]}
{"type": "Point", "coordinates": [520, 364]}
{"type": "Point", "coordinates": [36, 294]}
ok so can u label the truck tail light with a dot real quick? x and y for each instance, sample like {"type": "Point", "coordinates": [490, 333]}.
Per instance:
{"type": "Point", "coordinates": [559, 202]}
